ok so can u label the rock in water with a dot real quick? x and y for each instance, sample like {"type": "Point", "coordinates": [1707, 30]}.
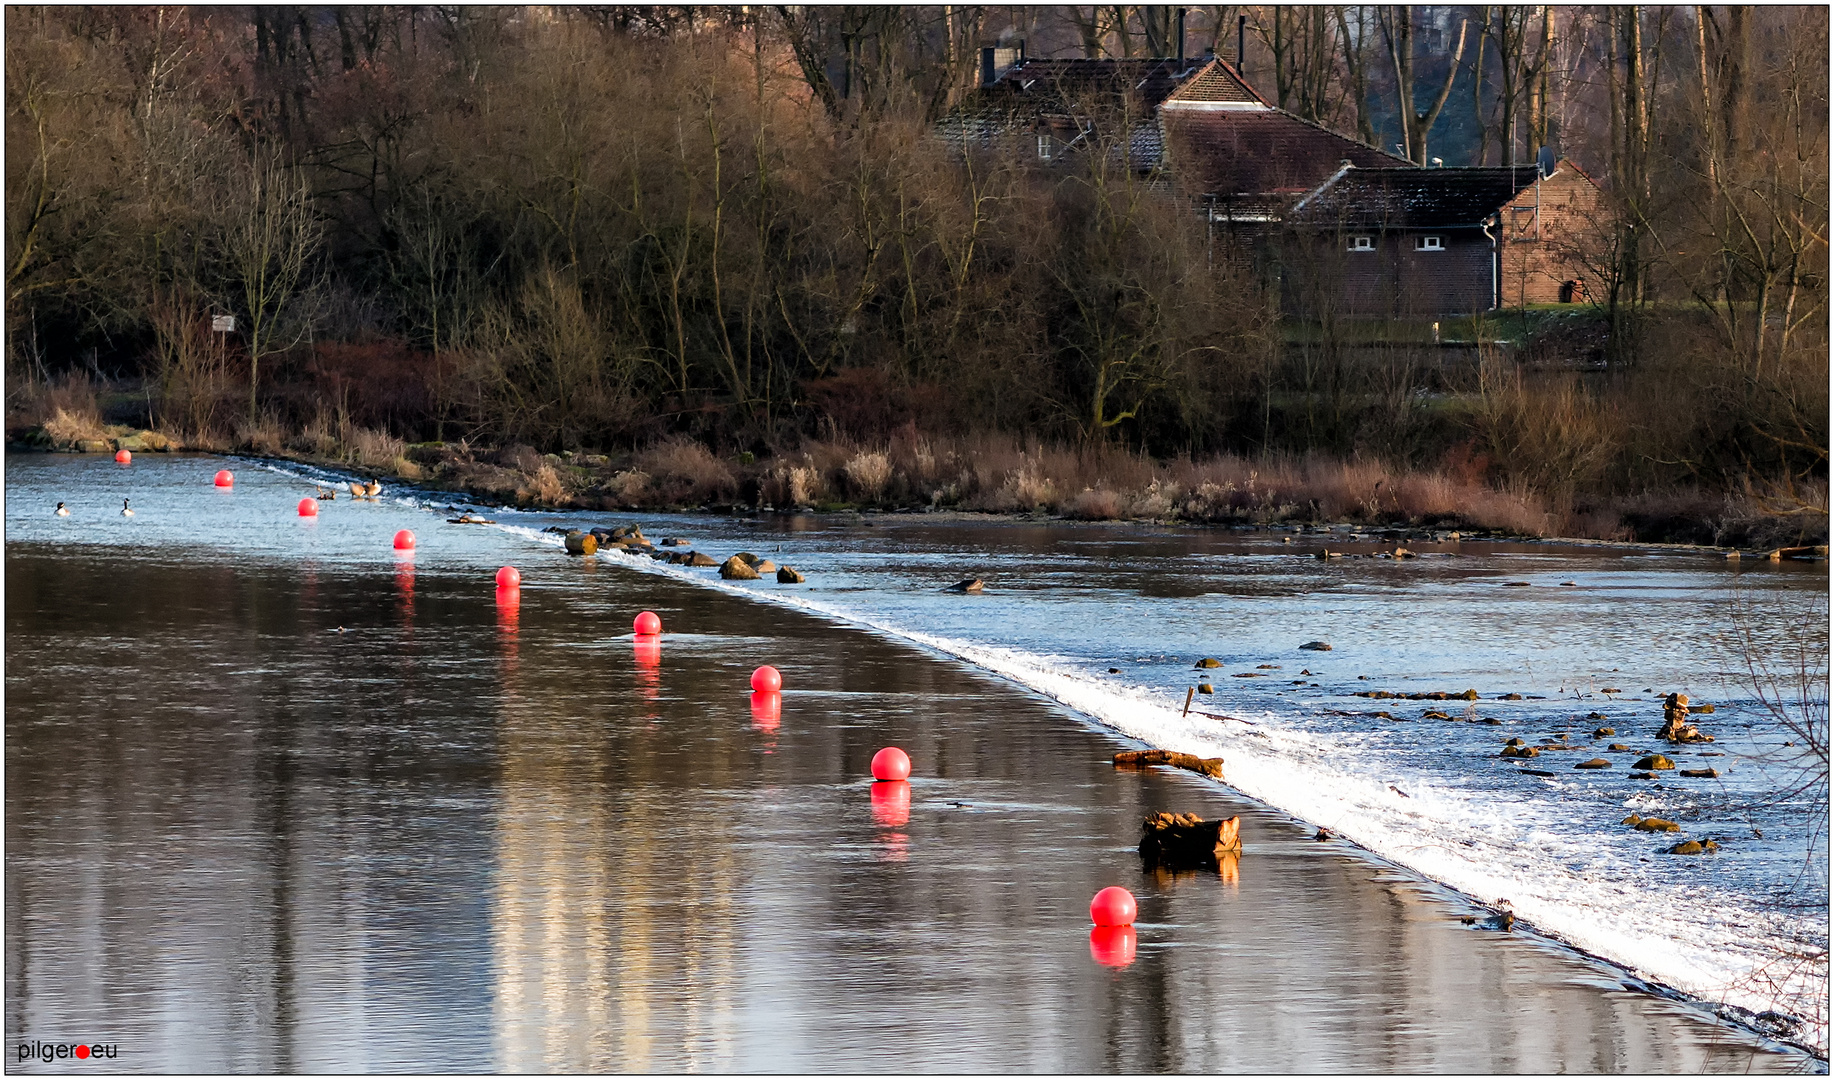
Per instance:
{"type": "Point", "coordinates": [970, 585]}
{"type": "Point", "coordinates": [701, 559]}
{"type": "Point", "coordinates": [1317, 646]}
{"type": "Point", "coordinates": [764, 566]}
{"type": "Point", "coordinates": [1595, 763]}
{"type": "Point", "coordinates": [1701, 774]}
{"type": "Point", "coordinates": [787, 575]}
{"type": "Point", "coordinates": [737, 569]}
{"type": "Point", "coordinates": [1656, 824]}
{"type": "Point", "coordinates": [1209, 662]}
{"type": "Point", "coordinates": [1686, 847]}
{"type": "Point", "coordinates": [1675, 726]}
{"type": "Point", "coordinates": [1177, 841]}
{"type": "Point", "coordinates": [1140, 759]}
{"type": "Point", "coordinates": [747, 558]}
{"type": "Point", "coordinates": [1653, 761]}
{"type": "Point", "coordinates": [1205, 688]}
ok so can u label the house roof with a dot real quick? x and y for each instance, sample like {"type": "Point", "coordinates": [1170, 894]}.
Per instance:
{"type": "Point", "coordinates": [1150, 81]}
{"type": "Point", "coordinates": [1056, 87]}
{"type": "Point", "coordinates": [1217, 85]}
{"type": "Point", "coordinates": [1415, 198]}
{"type": "Point", "coordinates": [1259, 152]}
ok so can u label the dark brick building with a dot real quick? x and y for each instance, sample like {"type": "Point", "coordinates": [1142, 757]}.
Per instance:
{"type": "Point", "coordinates": [1440, 241]}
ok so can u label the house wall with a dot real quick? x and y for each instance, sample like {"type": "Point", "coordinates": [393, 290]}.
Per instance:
{"type": "Point", "coordinates": [1546, 236]}
{"type": "Point", "coordinates": [1393, 279]}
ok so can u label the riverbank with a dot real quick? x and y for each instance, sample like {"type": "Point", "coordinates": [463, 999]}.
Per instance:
{"type": "Point", "coordinates": [997, 475]}
{"type": "Point", "coordinates": [735, 897]}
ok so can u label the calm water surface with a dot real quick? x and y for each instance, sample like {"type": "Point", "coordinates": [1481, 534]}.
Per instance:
{"type": "Point", "coordinates": [279, 800]}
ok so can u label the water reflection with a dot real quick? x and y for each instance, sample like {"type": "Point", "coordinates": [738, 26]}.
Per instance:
{"type": "Point", "coordinates": [1113, 946]}
{"type": "Point", "coordinates": [891, 803]}
{"type": "Point", "coordinates": [1227, 871]}
{"type": "Point", "coordinates": [458, 865]}
{"type": "Point", "coordinates": [647, 653]}
{"type": "Point", "coordinates": [766, 710]}
{"type": "Point", "coordinates": [404, 585]}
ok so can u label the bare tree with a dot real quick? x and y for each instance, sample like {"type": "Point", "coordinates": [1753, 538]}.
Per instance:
{"type": "Point", "coordinates": [1398, 31]}
{"type": "Point", "coordinates": [270, 237]}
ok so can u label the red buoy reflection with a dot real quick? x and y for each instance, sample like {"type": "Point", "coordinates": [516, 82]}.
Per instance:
{"type": "Point", "coordinates": [766, 710]}
{"type": "Point", "coordinates": [891, 803]}
{"type": "Point", "coordinates": [647, 651]}
{"type": "Point", "coordinates": [1113, 946]}
{"type": "Point", "coordinates": [404, 583]}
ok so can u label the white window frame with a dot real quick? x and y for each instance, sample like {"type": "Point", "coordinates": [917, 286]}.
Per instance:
{"type": "Point", "coordinates": [1044, 147]}
{"type": "Point", "coordinates": [1362, 243]}
{"type": "Point", "coordinates": [1429, 243]}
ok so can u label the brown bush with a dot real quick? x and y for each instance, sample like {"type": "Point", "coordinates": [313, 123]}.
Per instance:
{"type": "Point", "coordinates": [683, 472]}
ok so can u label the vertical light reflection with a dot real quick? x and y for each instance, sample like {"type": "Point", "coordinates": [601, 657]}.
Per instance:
{"type": "Point", "coordinates": [614, 911]}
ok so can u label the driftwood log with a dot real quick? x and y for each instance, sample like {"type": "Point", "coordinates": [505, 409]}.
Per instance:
{"type": "Point", "coordinates": [581, 543]}
{"type": "Point", "coordinates": [1140, 759]}
{"type": "Point", "coordinates": [1184, 840]}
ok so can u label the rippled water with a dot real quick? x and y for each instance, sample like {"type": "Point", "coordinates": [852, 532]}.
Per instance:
{"type": "Point", "coordinates": [278, 799]}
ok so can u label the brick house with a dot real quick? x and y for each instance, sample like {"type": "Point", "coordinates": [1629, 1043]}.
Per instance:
{"type": "Point", "coordinates": [1243, 162]}
{"type": "Point", "coordinates": [1051, 110]}
{"type": "Point", "coordinates": [1440, 241]}
{"type": "Point", "coordinates": [1342, 225]}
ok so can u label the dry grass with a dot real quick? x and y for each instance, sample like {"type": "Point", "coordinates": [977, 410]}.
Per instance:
{"type": "Point", "coordinates": [66, 428]}
{"type": "Point", "coordinates": [867, 474]}
{"type": "Point", "coordinates": [373, 449]}
{"type": "Point", "coordinates": [683, 472]}
{"type": "Point", "coordinates": [267, 436]}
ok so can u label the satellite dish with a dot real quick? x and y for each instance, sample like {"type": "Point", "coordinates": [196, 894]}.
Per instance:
{"type": "Point", "coordinates": [1544, 161]}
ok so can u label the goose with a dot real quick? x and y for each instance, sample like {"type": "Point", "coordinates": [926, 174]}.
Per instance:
{"type": "Point", "coordinates": [373, 488]}
{"type": "Point", "coordinates": [356, 489]}
{"type": "Point", "coordinates": [62, 510]}
{"type": "Point", "coordinates": [126, 511]}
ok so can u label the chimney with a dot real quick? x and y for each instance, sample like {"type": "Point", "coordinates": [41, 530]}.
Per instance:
{"type": "Point", "coordinates": [987, 66]}
{"type": "Point", "coordinates": [1241, 43]}
{"type": "Point", "coordinates": [1181, 38]}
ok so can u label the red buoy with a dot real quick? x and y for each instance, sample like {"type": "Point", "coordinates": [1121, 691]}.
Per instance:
{"type": "Point", "coordinates": [649, 624]}
{"type": "Point", "coordinates": [404, 541]}
{"type": "Point", "coordinates": [507, 578]}
{"type": "Point", "coordinates": [225, 478]}
{"type": "Point", "coordinates": [308, 507]}
{"type": "Point", "coordinates": [891, 803]}
{"type": "Point", "coordinates": [1113, 906]}
{"type": "Point", "coordinates": [891, 763]}
{"type": "Point", "coordinates": [123, 457]}
{"type": "Point", "coordinates": [1112, 946]}
{"type": "Point", "coordinates": [767, 679]}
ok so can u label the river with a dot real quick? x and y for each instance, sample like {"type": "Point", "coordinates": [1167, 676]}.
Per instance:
{"type": "Point", "coordinates": [279, 798]}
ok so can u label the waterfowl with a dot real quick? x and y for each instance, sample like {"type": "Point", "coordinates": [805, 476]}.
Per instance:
{"type": "Point", "coordinates": [326, 494]}
{"type": "Point", "coordinates": [356, 489]}
{"type": "Point", "coordinates": [373, 488]}
{"type": "Point", "coordinates": [126, 511]}
{"type": "Point", "coordinates": [62, 510]}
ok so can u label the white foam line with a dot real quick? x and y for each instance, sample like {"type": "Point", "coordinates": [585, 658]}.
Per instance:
{"type": "Point", "coordinates": [1446, 835]}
